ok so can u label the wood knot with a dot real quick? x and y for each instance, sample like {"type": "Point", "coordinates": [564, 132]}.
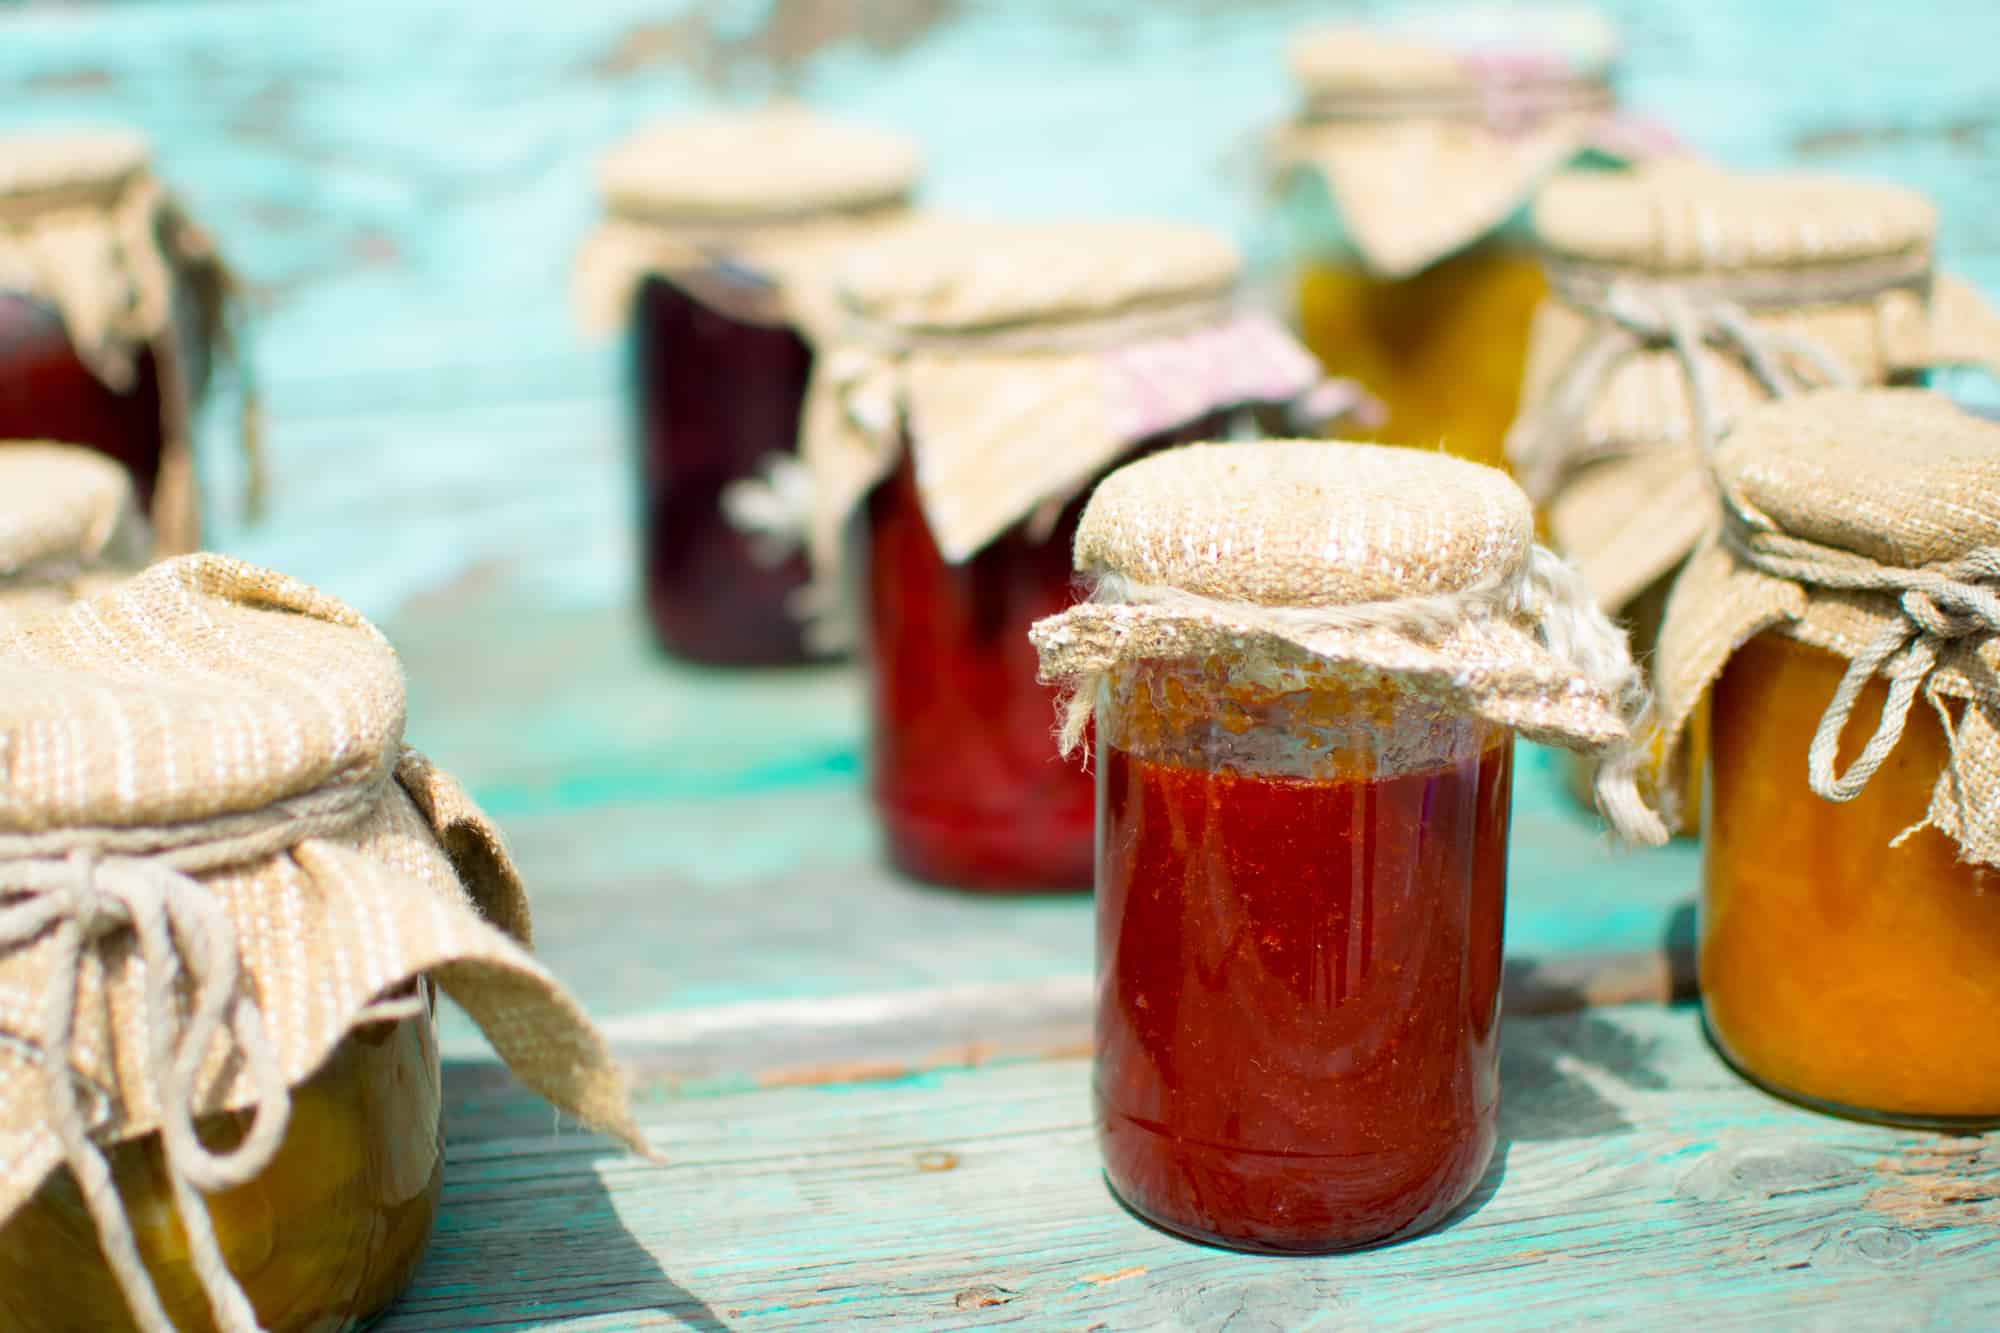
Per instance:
{"type": "Point", "coordinates": [981, 1296]}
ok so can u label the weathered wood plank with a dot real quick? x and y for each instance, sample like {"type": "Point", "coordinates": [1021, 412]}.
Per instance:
{"type": "Point", "coordinates": [1641, 1185]}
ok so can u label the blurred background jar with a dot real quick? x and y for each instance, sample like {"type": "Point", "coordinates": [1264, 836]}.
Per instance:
{"type": "Point", "coordinates": [69, 526]}
{"type": "Point", "coordinates": [114, 310]}
{"type": "Point", "coordinates": [1400, 181]}
{"type": "Point", "coordinates": [988, 374]}
{"type": "Point", "coordinates": [1304, 788]}
{"type": "Point", "coordinates": [1845, 614]}
{"type": "Point", "coordinates": [715, 248]}
{"type": "Point", "coordinates": [1680, 295]}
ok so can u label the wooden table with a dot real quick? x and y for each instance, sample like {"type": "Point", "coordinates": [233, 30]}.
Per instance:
{"type": "Point", "coordinates": [873, 1096]}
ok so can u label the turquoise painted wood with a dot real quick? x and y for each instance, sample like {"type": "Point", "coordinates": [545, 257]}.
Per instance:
{"type": "Point", "coordinates": [1639, 1186]}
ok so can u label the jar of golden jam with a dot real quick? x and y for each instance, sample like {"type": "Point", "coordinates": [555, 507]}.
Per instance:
{"type": "Point", "coordinates": [226, 891]}
{"type": "Point", "coordinates": [988, 374]}
{"type": "Point", "coordinates": [1680, 295]}
{"type": "Point", "coordinates": [1399, 181]}
{"type": "Point", "coordinates": [716, 237]}
{"type": "Point", "coordinates": [1845, 618]}
{"type": "Point", "coordinates": [320, 1241]}
{"type": "Point", "coordinates": [114, 308]}
{"type": "Point", "coordinates": [1307, 663]}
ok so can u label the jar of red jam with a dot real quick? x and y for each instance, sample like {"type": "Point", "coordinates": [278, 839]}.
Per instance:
{"type": "Point", "coordinates": [716, 241]}
{"type": "Point", "coordinates": [986, 375]}
{"type": "Point", "coordinates": [1307, 662]}
{"type": "Point", "coordinates": [1399, 184]}
{"type": "Point", "coordinates": [1844, 619]}
{"type": "Point", "coordinates": [113, 309]}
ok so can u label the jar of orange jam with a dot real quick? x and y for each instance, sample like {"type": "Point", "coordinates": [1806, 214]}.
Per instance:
{"type": "Point", "coordinates": [988, 375]}
{"type": "Point", "coordinates": [1680, 295]}
{"type": "Point", "coordinates": [1306, 662]}
{"type": "Point", "coordinates": [1846, 618]}
{"type": "Point", "coordinates": [1399, 183]}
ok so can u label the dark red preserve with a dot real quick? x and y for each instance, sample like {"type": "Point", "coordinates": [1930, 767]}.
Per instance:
{"type": "Point", "coordinates": [48, 393]}
{"type": "Point", "coordinates": [718, 236]}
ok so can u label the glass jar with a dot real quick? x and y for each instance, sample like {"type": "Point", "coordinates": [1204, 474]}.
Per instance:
{"type": "Point", "coordinates": [969, 792]}
{"type": "Point", "coordinates": [1442, 350]}
{"type": "Point", "coordinates": [1305, 695]}
{"type": "Point", "coordinates": [111, 319]}
{"type": "Point", "coordinates": [1301, 882]}
{"type": "Point", "coordinates": [719, 398]}
{"type": "Point", "coordinates": [1843, 964]}
{"type": "Point", "coordinates": [48, 393]}
{"type": "Point", "coordinates": [1400, 182]}
{"type": "Point", "coordinates": [718, 236]}
{"type": "Point", "coordinates": [321, 1241]}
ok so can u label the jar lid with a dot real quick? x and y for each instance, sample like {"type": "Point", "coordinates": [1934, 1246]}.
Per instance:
{"type": "Point", "coordinates": [1679, 217]}
{"type": "Point", "coordinates": [1388, 562]}
{"type": "Point", "coordinates": [777, 164]}
{"type": "Point", "coordinates": [54, 169]}
{"type": "Point", "coordinates": [1903, 477]}
{"type": "Point", "coordinates": [1302, 524]}
{"type": "Point", "coordinates": [1866, 523]}
{"type": "Point", "coordinates": [63, 509]}
{"type": "Point", "coordinates": [1463, 51]}
{"type": "Point", "coordinates": [959, 275]}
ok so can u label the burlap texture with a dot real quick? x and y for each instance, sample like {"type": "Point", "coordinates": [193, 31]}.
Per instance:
{"type": "Point", "coordinates": [1017, 361]}
{"type": "Point", "coordinates": [87, 229]}
{"type": "Point", "coordinates": [1775, 283]}
{"type": "Point", "coordinates": [1429, 134]}
{"type": "Point", "coordinates": [748, 214]}
{"type": "Point", "coordinates": [245, 731]}
{"type": "Point", "coordinates": [1865, 523]}
{"type": "Point", "coordinates": [69, 525]}
{"type": "Point", "coordinates": [1395, 562]}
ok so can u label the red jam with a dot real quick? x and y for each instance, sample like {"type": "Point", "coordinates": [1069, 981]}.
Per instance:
{"type": "Point", "coordinates": [48, 393]}
{"type": "Point", "coordinates": [717, 397]}
{"type": "Point", "coordinates": [965, 773]}
{"type": "Point", "coordinates": [1299, 996]}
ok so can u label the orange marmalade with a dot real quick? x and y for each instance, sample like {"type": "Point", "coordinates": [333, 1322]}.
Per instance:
{"type": "Point", "coordinates": [1843, 964]}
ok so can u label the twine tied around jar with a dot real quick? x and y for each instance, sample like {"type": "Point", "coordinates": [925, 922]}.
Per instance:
{"type": "Point", "coordinates": [1633, 315]}
{"type": "Point", "coordinates": [1381, 561]}
{"type": "Point", "coordinates": [80, 887]}
{"type": "Point", "coordinates": [1938, 604]}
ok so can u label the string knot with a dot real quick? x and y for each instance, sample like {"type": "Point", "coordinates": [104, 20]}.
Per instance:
{"type": "Point", "coordinates": [178, 930]}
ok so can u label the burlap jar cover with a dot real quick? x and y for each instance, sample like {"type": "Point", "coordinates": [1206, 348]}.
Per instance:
{"type": "Point", "coordinates": [1384, 561]}
{"type": "Point", "coordinates": [86, 228]}
{"type": "Point", "coordinates": [1682, 295]}
{"type": "Point", "coordinates": [744, 213]}
{"type": "Point", "coordinates": [69, 525]}
{"type": "Point", "coordinates": [216, 859]}
{"type": "Point", "coordinates": [1432, 132]}
{"type": "Point", "coordinates": [1017, 361]}
{"type": "Point", "coordinates": [1865, 523]}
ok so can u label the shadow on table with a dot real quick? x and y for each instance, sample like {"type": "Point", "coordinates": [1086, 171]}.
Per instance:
{"type": "Point", "coordinates": [1553, 1066]}
{"type": "Point", "coordinates": [527, 1232]}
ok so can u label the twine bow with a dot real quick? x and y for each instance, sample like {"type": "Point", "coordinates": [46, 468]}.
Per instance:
{"type": "Point", "coordinates": [178, 928]}
{"type": "Point", "coordinates": [78, 888]}
{"type": "Point", "coordinates": [1937, 604]}
{"type": "Point", "coordinates": [1632, 317]}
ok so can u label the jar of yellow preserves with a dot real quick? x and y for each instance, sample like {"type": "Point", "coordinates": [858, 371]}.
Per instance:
{"type": "Point", "coordinates": [1400, 180]}
{"type": "Point", "coordinates": [1844, 615]}
{"type": "Point", "coordinates": [1681, 295]}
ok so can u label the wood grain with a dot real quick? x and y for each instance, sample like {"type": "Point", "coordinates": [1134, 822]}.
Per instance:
{"type": "Point", "coordinates": [1640, 1186]}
